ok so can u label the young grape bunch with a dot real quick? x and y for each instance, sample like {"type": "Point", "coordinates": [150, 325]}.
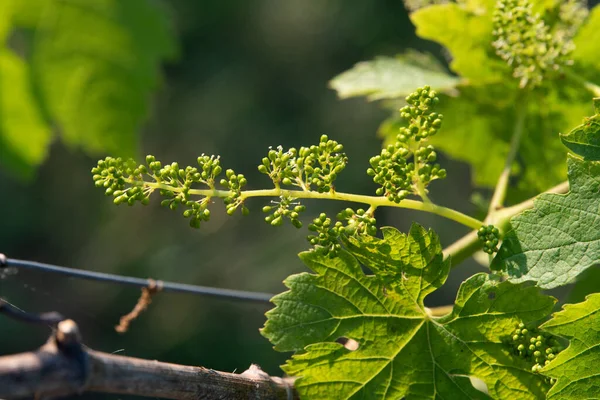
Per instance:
{"type": "Point", "coordinates": [537, 347]}
{"type": "Point", "coordinates": [489, 237]}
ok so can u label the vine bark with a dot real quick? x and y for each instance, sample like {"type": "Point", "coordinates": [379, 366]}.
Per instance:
{"type": "Point", "coordinates": [63, 366]}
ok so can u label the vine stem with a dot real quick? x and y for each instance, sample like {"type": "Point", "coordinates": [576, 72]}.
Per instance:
{"type": "Point", "coordinates": [64, 366]}
{"type": "Point", "coordinates": [464, 247]}
{"type": "Point", "coordinates": [503, 216]}
{"type": "Point", "coordinates": [439, 311]}
{"type": "Point", "coordinates": [500, 191]}
{"type": "Point", "coordinates": [373, 201]}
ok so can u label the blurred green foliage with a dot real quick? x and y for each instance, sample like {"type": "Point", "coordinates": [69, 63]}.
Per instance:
{"type": "Point", "coordinates": [83, 69]}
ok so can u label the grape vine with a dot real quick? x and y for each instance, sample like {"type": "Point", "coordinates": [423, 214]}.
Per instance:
{"type": "Point", "coordinates": [525, 75]}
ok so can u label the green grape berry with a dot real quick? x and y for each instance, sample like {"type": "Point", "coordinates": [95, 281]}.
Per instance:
{"type": "Point", "coordinates": [537, 348]}
{"type": "Point", "coordinates": [489, 236]}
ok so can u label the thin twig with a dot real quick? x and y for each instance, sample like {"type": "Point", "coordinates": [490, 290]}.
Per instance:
{"type": "Point", "coordinates": [63, 366]}
{"type": "Point", "coordinates": [141, 305]}
{"type": "Point", "coordinates": [463, 248]}
{"type": "Point", "coordinates": [49, 318]}
{"type": "Point", "coordinates": [141, 283]}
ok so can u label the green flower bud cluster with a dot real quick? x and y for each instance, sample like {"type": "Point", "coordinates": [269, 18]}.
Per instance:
{"type": "Point", "coordinates": [327, 234]}
{"type": "Point", "coordinates": [537, 347]}
{"type": "Point", "coordinates": [348, 223]}
{"type": "Point", "coordinates": [393, 169]}
{"type": "Point", "coordinates": [122, 180]}
{"type": "Point", "coordinates": [183, 179]}
{"type": "Point", "coordinates": [489, 236]}
{"type": "Point", "coordinates": [359, 222]}
{"type": "Point", "coordinates": [277, 165]}
{"type": "Point", "coordinates": [285, 208]}
{"type": "Point", "coordinates": [209, 167]}
{"type": "Point", "coordinates": [527, 44]}
{"type": "Point", "coordinates": [235, 183]}
{"type": "Point", "coordinates": [317, 165]}
{"type": "Point", "coordinates": [428, 172]}
{"type": "Point", "coordinates": [571, 15]}
{"type": "Point", "coordinates": [423, 121]}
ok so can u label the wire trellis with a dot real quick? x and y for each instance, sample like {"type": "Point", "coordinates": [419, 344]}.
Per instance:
{"type": "Point", "coordinates": [165, 286]}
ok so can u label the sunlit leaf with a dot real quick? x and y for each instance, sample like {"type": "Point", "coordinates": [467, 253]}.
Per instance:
{"type": "Point", "coordinates": [392, 77]}
{"type": "Point", "coordinates": [585, 138]}
{"type": "Point", "coordinates": [556, 240]}
{"type": "Point", "coordinates": [402, 351]}
{"type": "Point", "coordinates": [576, 369]}
{"type": "Point", "coordinates": [467, 34]}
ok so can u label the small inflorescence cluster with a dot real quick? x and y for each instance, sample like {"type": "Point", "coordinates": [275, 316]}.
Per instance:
{"type": "Point", "coordinates": [284, 208]}
{"type": "Point", "coordinates": [571, 15]}
{"type": "Point", "coordinates": [115, 176]}
{"type": "Point", "coordinates": [311, 167]}
{"type": "Point", "coordinates": [349, 222]}
{"type": "Point", "coordinates": [408, 166]}
{"type": "Point", "coordinates": [489, 236]}
{"type": "Point", "coordinates": [235, 183]}
{"type": "Point", "coordinates": [315, 166]}
{"type": "Point", "coordinates": [537, 347]}
{"type": "Point", "coordinates": [124, 180]}
{"type": "Point", "coordinates": [527, 43]}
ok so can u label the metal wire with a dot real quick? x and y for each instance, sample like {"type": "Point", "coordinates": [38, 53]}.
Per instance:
{"type": "Point", "coordinates": [164, 286]}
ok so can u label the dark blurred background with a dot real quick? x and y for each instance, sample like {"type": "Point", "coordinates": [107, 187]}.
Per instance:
{"type": "Point", "coordinates": [250, 75]}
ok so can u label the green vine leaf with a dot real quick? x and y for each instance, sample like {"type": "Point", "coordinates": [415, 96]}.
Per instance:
{"type": "Point", "coordinates": [24, 134]}
{"type": "Point", "coordinates": [576, 368]}
{"type": "Point", "coordinates": [402, 351]}
{"type": "Point", "coordinates": [556, 240]}
{"type": "Point", "coordinates": [95, 65]}
{"type": "Point", "coordinates": [392, 77]}
{"type": "Point", "coordinates": [584, 139]}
